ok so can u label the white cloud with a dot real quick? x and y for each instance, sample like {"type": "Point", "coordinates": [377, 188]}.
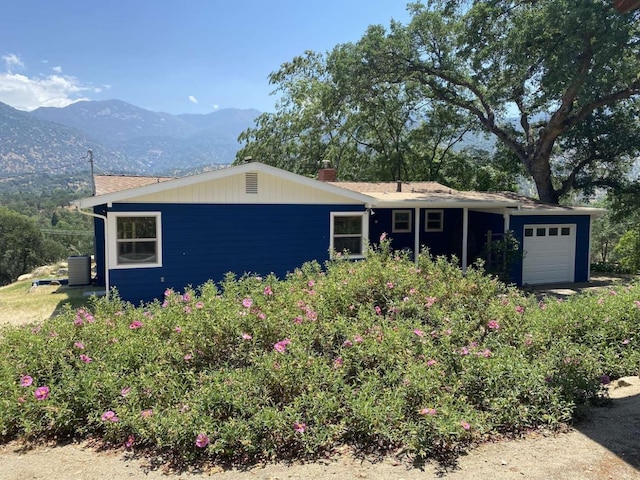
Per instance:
{"type": "Point", "coordinates": [57, 69]}
{"type": "Point", "coordinates": [12, 60]}
{"type": "Point", "coordinates": [193, 99]}
{"type": "Point", "coordinates": [28, 93]}
{"type": "Point", "coordinates": [215, 106]}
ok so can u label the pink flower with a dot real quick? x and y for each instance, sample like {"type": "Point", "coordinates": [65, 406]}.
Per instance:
{"type": "Point", "coordinates": [86, 358]}
{"type": "Point", "coordinates": [281, 346]}
{"type": "Point", "coordinates": [493, 325]}
{"type": "Point", "coordinates": [130, 441]}
{"type": "Point", "coordinates": [79, 345]}
{"type": "Point", "coordinates": [338, 362]}
{"type": "Point", "coordinates": [146, 413]}
{"type": "Point", "coordinates": [600, 301]}
{"type": "Point", "coordinates": [418, 332]}
{"type": "Point", "coordinates": [389, 284]}
{"type": "Point", "coordinates": [412, 291]}
{"type": "Point", "coordinates": [178, 329]}
{"type": "Point", "coordinates": [431, 362]}
{"type": "Point", "coordinates": [427, 411]}
{"type": "Point", "coordinates": [186, 297]}
{"type": "Point", "coordinates": [347, 343]}
{"type": "Point", "coordinates": [199, 305]}
{"type": "Point", "coordinates": [187, 309]}
{"type": "Point", "coordinates": [246, 336]}
{"type": "Point", "coordinates": [311, 283]}
{"type": "Point", "coordinates": [626, 341]}
{"type": "Point", "coordinates": [383, 236]}
{"type": "Point", "coordinates": [168, 292]}
{"type": "Point", "coordinates": [464, 351]}
{"type": "Point", "coordinates": [519, 309]}
{"type": "Point", "coordinates": [486, 353]}
{"type": "Point", "coordinates": [125, 391]}
{"type": "Point", "coordinates": [136, 324]}
{"type": "Point", "coordinates": [612, 292]}
{"type": "Point", "coordinates": [109, 416]}
{"type": "Point", "coordinates": [187, 357]}
{"type": "Point", "coordinates": [300, 427]}
{"type": "Point", "coordinates": [637, 302]}
{"type": "Point", "coordinates": [430, 301]}
{"type": "Point", "coordinates": [202, 440]}
{"type": "Point", "coordinates": [41, 393]}
{"type": "Point", "coordinates": [378, 310]}
{"type": "Point", "coordinates": [261, 316]}
{"type": "Point", "coordinates": [26, 381]}
{"type": "Point", "coordinates": [297, 320]}
{"type": "Point", "coordinates": [267, 291]}
{"type": "Point", "coordinates": [465, 425]}
{"type": "Point", "coordinates": [358, 339]}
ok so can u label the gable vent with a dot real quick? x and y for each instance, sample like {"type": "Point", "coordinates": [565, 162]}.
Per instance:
{"type": "Point", "coordinates": [251, 182]}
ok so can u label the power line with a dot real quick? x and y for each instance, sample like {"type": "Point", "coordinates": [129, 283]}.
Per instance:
{"type": "Point", "coordinates": [65, 232]}
{"type": "Point", "coordinates": [26, 174]}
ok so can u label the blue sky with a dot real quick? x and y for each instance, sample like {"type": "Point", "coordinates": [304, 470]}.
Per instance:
{"type": "Point", "coordinates": [180, 56]}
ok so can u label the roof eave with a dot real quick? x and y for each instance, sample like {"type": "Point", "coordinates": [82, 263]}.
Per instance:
{"type": "Point", "coordinates": [217, 175]}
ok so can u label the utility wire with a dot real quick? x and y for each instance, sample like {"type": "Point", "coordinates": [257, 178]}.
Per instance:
{"type": "Point", "coordinates": [26, 174]}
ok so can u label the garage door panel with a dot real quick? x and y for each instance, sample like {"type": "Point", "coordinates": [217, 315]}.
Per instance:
{"type": "Point", "coordinates": [549, 254]}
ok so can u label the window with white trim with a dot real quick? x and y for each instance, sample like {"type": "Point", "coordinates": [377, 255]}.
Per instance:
{"type": "Point", "coordinates": [349, 232]}
{"type": "Point", "coordinates": [401, 222]}
{"type": "Point", "coordinates": [137, 241]}
{"type": "Point", "coordinates": [434, 220]}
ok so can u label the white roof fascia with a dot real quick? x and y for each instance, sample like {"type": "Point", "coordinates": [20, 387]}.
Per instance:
{"type": "Point", "coordinates": [443, 204]}
{"type": "Point", "coordinates": [217, 175]}
{"type": "Point", "coordinates": [559, 211]}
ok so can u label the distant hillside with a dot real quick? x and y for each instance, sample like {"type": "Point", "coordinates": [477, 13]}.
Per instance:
{"type": "Point", "coordinates": [124, 139]}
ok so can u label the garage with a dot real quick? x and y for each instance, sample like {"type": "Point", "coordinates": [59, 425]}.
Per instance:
{"type": "Point", "coordinates": [549, 254]}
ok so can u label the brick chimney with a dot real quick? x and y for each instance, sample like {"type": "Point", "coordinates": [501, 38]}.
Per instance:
{"type": "Point", "coordinates": [327, 175]}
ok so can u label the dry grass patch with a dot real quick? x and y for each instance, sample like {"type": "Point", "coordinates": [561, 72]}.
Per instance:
{"type": "Point", "coordinates": [21, 303]}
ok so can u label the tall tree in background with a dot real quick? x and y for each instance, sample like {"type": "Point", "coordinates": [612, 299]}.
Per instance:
{"type": "Point", "coordinates": [569, 70]}
{"type": "Point", "coordinates": [560, 64]}
{"type": "Point", "coordinates": [332, 108]}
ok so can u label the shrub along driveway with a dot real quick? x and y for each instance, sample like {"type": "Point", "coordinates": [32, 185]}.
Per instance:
{"type": "Point", "coordinates": [604, 446]}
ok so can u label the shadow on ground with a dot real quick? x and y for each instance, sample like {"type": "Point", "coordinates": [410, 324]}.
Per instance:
{"type": "Point", "coordinates": [616, 426]}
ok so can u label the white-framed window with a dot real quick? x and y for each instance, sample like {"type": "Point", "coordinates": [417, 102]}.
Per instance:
{"type": "Point", "coordinates": [349, 232]}
{"type": "Point", "coordinates": [401, 221]}
{"type": "Point", "coordinates": [434, 220]}
{"type": "Point", "coordinates": [135, 239]}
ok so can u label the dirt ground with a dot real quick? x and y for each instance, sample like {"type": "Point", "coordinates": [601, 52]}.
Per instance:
{"type": "Point", "coordinates": [605, 446]}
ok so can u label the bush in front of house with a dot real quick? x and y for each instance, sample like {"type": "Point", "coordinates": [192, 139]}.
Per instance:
{"type": "Point", "coordinates": [382, 355]}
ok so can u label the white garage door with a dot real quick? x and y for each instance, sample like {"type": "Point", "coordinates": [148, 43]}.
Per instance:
{"type": "Point", "coordinates": [550, 252]}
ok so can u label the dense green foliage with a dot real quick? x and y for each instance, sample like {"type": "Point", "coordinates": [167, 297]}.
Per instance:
{"type": "Point", "coordinates": [381, 354]}
{"type": "Point", "coordinates": [22, 246]}
{"type": "Point", "coordinates": [37, 228]}
{"type": "Point", "coordinates": [554, 82]}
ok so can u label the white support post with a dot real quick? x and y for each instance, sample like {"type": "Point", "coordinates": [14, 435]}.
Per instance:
{"type": "Point", "coordinates": [465, 237]}
{"type": "Point", "coordinates": [416, 240]}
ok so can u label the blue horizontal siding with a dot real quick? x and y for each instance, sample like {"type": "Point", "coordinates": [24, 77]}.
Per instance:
{"type": "Point", "coordinates": [204, 242]}
{"type": "Point", "coordinates": [583, 225]}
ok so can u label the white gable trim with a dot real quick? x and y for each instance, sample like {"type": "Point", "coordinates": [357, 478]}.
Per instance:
{"type": "Point", "coordinates": [128, 195]}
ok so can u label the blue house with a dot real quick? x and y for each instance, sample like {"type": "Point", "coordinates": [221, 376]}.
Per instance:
{"type": "Point", "coordinates": [158, 233]}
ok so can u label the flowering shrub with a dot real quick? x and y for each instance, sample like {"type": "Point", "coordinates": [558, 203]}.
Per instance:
{"type": "Point", "coordinates": [381, 354]}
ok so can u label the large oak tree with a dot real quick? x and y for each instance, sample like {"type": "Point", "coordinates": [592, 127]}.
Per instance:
{"type": "Point", "coordinates": [561, 66]}
{"type": "Point", "coordinates": [555, 82]}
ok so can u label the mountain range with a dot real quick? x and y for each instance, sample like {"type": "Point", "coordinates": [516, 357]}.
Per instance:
{"type": "Point", "coordinates": [49, 143]}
